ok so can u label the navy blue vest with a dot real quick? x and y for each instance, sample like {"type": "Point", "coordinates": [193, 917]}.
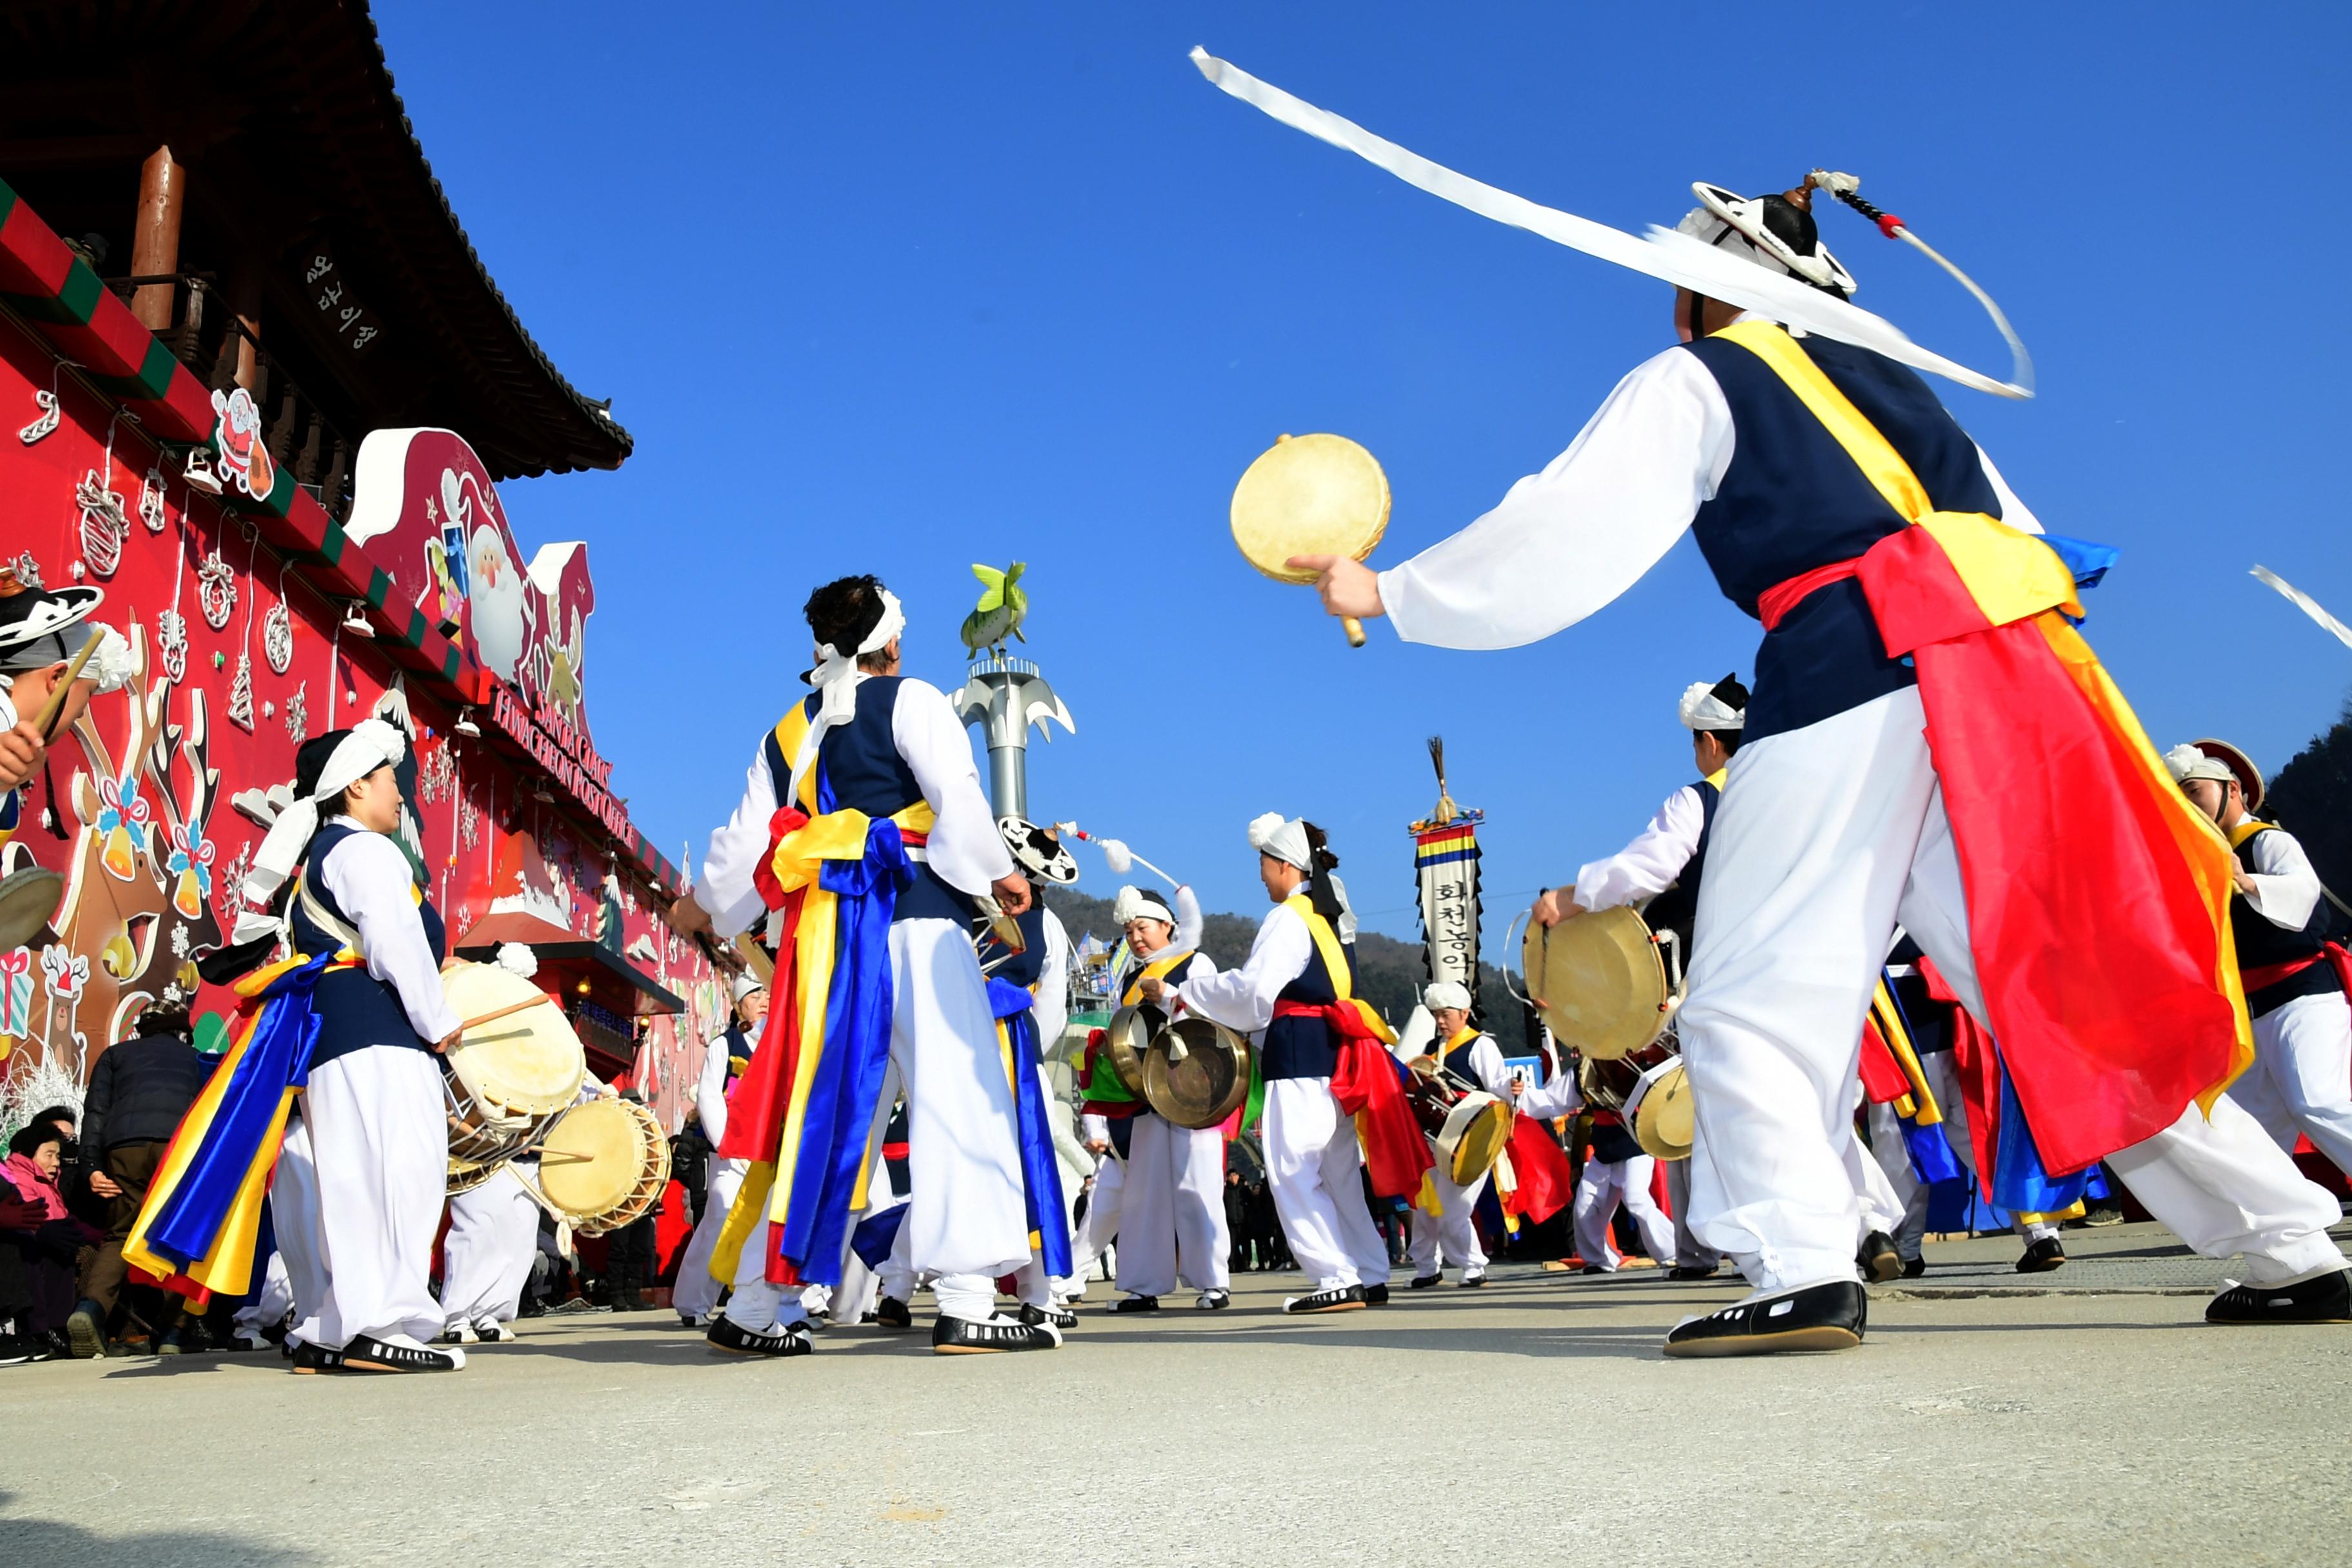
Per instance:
{"type": "Point", "coordinates": [1676, 908]}
{"type": "Point", "coordinates": [1026, 967]}
{"type": "Point", "coordinates": [859, 768]}
{"type": "Point", "coordinates": [1792, 500]}
{"type": "Point", "coordinates": [1304, 1047]}
{"type": "Point", "coordinates": [1457, 1061]}
{"type": "Point", "coordinates": [739, 1052]}
{"type": "Point", "coordinates": [356, 1010]}
{"type": "Point", "coordinates": [2261, 943]}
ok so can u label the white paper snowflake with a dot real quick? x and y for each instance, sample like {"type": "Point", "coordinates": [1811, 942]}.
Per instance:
{"type": "Point", "coordinates": [179, 941]}
{"type": "Point", "coordinates": [232, 882]}
{"type": "Point", "coordinates": [437, 779]}
{"type": "Point", "coordinates": [469, 824]}
{"type": "Point", "coordinates": [278, 638]}
{"type": "Point", "coordinates": [298, 713]}
{"type": "Point", "coordinates": [216, 591]}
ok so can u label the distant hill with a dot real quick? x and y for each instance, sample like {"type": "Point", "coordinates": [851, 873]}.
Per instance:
{"type": "Point", "coordinates": [1389, 973]}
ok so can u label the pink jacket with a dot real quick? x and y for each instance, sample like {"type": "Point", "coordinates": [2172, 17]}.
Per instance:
{"type": "Point", "coordinates": [32, 1187]}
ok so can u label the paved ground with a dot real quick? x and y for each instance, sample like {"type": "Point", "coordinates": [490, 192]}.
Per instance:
{"type": "Point", "coordinates": [2080, 1417]}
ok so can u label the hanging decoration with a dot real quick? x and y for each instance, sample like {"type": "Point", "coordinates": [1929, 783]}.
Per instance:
{"type": "Point", "coordinates": [215, 590]}
{"type": "Point", "coordinates": [46, 402]}
{"type": "Point", "coordinates": [298, 713]}
{"type": "Point", "coordinates": [104, 525]}
{"type": "Point", "coordinates": [150, 498]}
{"type": "Point", "coordinates": [26, 570]}
{"type": "Point", "coordinates": [240, 694]}
{"type": "Point", "coordinates": [437, 779]}
{"type": "Point", "coordinates": [278, 634]}
{"type": "Point", "coordinates": [171, 626]}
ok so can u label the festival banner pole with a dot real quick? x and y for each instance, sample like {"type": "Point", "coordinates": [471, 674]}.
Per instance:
{"type": "Point", "coordinates": [1446, 872]}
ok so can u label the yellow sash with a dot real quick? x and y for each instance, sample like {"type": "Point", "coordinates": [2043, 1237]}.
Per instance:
{"type": "Point", "coordinates": [1155, 970]}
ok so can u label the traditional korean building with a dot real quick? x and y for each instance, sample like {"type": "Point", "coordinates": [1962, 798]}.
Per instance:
{"type": "Point", "coordinates": [256, 385]}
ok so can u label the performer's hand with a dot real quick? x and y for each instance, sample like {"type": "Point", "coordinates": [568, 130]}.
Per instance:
{"type": "Point", "coordinates": [104, 1186]}
{"type": "Point", "coordinates": [1151, 988]}
{"type": "Point", "coordinates": [20, 755]}
{"type": "Point", "coordinates": [1551, 907]}
{"type": "Point", "coordinates": [688, 918]}
{"type": "Point", "coordinates": [1096, 1146]}
{"type": "Point", "coordinates": [1013, 893]}
{"type": "Point", "coordinates": [1348, 588]}
{"type": "Point", "coordinates": [441, 1047]}
{"type": "Point", "coordinates": [2245, 883]}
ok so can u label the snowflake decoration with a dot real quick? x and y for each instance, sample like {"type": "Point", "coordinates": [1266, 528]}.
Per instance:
{"type": "Point", "coordinates": [173, 995]}
{"type": "Point", "coordinates": [240, 693]}
{"type": "Point", "coordinates": [28, 571]}
{"type": "Point", "coordinates": [232, 882]}
{"type": "Point", "coordinates": [216, 592]}
{"type": "Point", "coordinates": [469, 824]}
{"type": "Point", "coordinates": [278, 638]}
{"type": "Point", "coordinates": [438, 780]}
{"type": "Point", "coordinates": [179, 941]}
{"type": "Point", "coordinates": [172, 642]}
{"type": "Point", "coordinates": [298, 713]}
{"type": "Point", "coordinates": [151, 499]}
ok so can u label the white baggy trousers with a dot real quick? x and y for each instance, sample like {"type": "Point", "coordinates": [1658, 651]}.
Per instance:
{"type": "Point", "coordinates": [1171, 1214]}
{"type": "Point", "coordinates": [968, 1221]}
{"type": "Point", "coordinates": [696, 1293]}
{"type": "Point", "coordinates": [1600, 1188]}
{"type": "Point", "coordinates": [485, 1259]}
{"type": "Point", "coordinates": [1452, 1235]}
{"type": "Point", "coordinates": [360, 1182]}
{"type": "Point", "coordinates": [1827, 838]}
{"type": "Point", "coordinates": [1315, 1171]}
{"type": "Point", "coordinates": [2301, 1081]}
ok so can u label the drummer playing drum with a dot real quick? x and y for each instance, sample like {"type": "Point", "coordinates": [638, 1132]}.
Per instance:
{"type": "Point", "coordinates": [1468, 1056]}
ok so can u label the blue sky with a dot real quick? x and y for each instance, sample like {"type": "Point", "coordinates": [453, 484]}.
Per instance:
{"type": "Point", "coordinates": [901, 293]}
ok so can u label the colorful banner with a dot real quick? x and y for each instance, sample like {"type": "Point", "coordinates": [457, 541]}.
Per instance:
{"type": "Point", "coordinates": [1445, 864]}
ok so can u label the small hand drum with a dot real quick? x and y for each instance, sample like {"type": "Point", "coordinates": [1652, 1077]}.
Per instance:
{"type": "Point", "coordinates": [1663, 1120]}
{"type": "Point", "coordinates": [1310, 495]}
{"type": "Point", "coordinates": [1599, 982]}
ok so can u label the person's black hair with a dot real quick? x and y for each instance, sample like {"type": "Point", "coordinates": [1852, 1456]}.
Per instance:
{"type": "Point", "coordinates": [845, 611]}
{"type": "Point", "coordinates": [1319, 891]}
{"type": "Point", "coordinates": [1732, 695]}
{"type": "Point", "coordinates": [35, 1134]}
{"type": "Point", "coordinates": [165, 1018]}
{"type": "Point", "coordinates": [65, 1114]}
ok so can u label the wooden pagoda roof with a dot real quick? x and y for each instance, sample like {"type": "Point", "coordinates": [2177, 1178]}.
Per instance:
{"type": "Point", "coordinates": [285, 115]}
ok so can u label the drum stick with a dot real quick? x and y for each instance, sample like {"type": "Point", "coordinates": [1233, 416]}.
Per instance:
{"type": "Point", "coordinates": [495, 1013]}
{"type": "Point", "coordinates": [63, 688]}
{"type": "Point", "coordinates": [1355, 630]}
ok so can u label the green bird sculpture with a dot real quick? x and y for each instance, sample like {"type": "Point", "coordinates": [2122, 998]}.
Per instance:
{"type": "Point", "coordinates": [1003, 607]}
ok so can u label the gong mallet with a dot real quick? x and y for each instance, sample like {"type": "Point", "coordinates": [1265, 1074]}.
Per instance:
{"type": "Point", "coordinates": [1310, 495]}
{"type": "Point", "coordinates": [1120, 858]}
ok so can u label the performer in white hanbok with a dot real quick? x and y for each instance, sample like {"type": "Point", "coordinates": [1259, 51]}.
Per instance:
{"type": "Point", "coordinates": [1170, 1207]}
{"type": "Point", "coordinates": [2300, 1082]}
{"type": "Point", "coordinates": [725, 1056]}
{"type": "Point", "coordinates": [1469, 1056]}
{"type": "Point", "coordinates": [1292, 995]}
{"type": "Point", "coordinates": [1898, 580]}
{"type": "Point", "coordinates": [876, 806]}
{"type": "Point", "coordinates": [485, 1259]}
{"type": "Point", "coordinates": [364, 1172]}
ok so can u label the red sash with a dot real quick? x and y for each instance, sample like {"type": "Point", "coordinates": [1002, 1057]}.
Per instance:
{"type": "Point", "coordinates": [1364, 1082]}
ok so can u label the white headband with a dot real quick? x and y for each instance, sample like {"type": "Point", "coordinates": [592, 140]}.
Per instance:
{"type": "Point", "coordinates": [1285, 839]}
{"type": "Point", "coordinates": [1135, 904]}
{"type": "Point", "coordinates": [1446, 994]}
{"type": "Point", "coordinates": [372, 744]}
{"type": "Point", "coordinates": [1703, 709]}
{"type": "Point", "coordinates": [836, 680]}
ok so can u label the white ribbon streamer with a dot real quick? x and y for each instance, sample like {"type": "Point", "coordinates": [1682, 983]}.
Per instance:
{"type": "Point", "coordinates": [2306, 604]}
{"type": "Point", "coordinates": [1676, 258]}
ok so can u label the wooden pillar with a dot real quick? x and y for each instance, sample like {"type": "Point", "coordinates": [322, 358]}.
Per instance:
{"type": "Point", "coordinates": [245, 309]}
{"type": "Point", "coordinates": [155, 238]}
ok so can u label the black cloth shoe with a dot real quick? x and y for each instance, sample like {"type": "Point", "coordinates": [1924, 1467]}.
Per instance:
{"type": "Point", "coordinates": [1060, 1317]}
{"type": "Point", "coordinates": [726, 1334]}
{"type": "Point", "coordinates": [86, 1330]}
{"type": "Point", "coordinates": [1473, 1282]}
{"type": "Point", "coordinates": [310, 1358]}
{"type": "Point", "coordinates": [2043, 1256]}
{"type": "Point", "coordinates": [1376, 1295]}
{"type": "Point", "coordinates": [1426, 1281]}
{"type": "Point", "coordinates": [1136, 1304]}
{"type": "Point", "coordinates": [1914, 1266]}
{"type": "Point", "coordinates": [368, 1354]}
{"type": "Point", "coordinates": [891, 1313]}
{"type": "Point", "coordinates": [961, 1336]}
{"type": "Point", "coordinates": [1346, 1299]}
{"type": "Point", "coordinates": [1878, 1261]}
{"type": "Point", "coordinates": [1693, 1271]}
{"type": "Point", "coordinates": [1214, 1300]}
{"type": "Point", "coordinates": [493, 1333]}
{"type": "Point", "coordinates": [16, 1351]}
{"type": "Point", "coordinates": [1814, 1318]}
{"type": "Point", "coordinates": [2327, 1299]}
{"type": "Point", "coordinates": [1596, 1269]}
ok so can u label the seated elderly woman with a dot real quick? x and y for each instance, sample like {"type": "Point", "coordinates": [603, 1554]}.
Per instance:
{"type": "Point", "coordinates": [38, 1243]}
